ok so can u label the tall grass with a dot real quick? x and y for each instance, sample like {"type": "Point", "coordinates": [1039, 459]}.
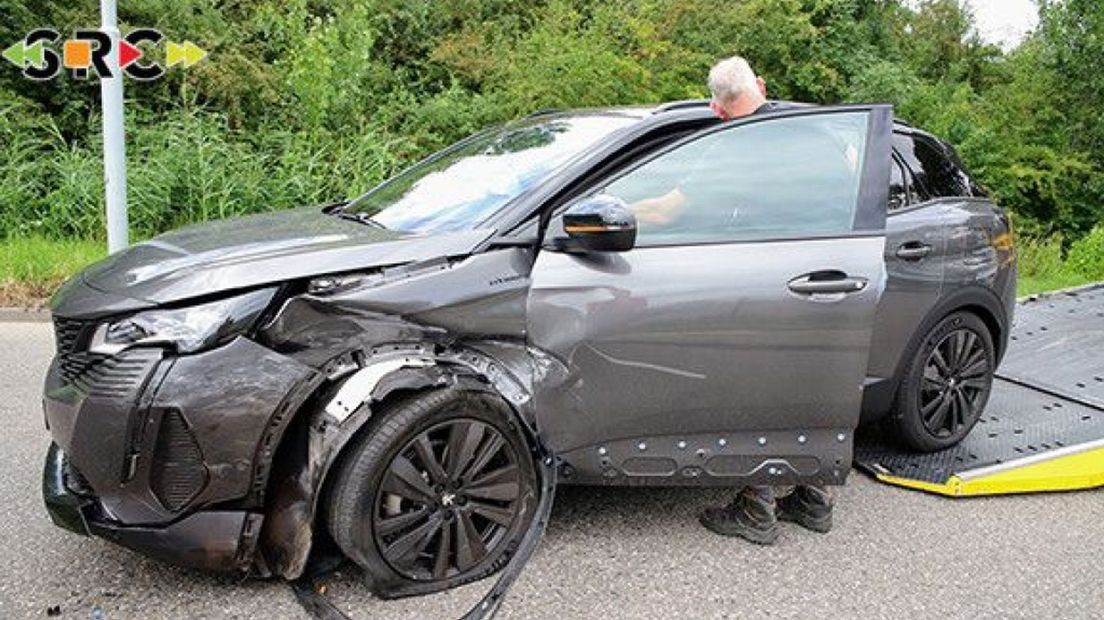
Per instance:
{"type": "Point", "coordinates": [34, 258]}
{"type": "Point", "coordinates": [31, 268]}
{"type": "Point", "coordinates": [185, 168]}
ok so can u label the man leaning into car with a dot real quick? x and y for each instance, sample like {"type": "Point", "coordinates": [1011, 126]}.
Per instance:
{"type": "Point", "coordinates": [754, 513]}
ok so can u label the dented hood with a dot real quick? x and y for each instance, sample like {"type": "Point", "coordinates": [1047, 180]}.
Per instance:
{"type": "Point", "coordinates": [261, 249]}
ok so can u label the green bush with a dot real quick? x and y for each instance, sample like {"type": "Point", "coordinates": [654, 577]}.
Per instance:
{"type": "Point", "coordinates": [1086, 255]}
{"type": "Point", "coordinates": [1044, 266]}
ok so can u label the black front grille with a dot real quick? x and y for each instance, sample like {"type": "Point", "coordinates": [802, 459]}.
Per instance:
{"type": "Point", "coordinates": [67, 334]}
{"type": "Point", "coordinates": [96, 373]}
{"type": "Point", "coordinates": [75, 367]}
{"type": "Point", "coordinates": [117, 377]}
{"type": "Point", "coordinates": [74, 360]}
{"type": "Point", "coordinates": [178, 473]}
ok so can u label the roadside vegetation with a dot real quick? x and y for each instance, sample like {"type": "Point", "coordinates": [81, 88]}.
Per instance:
{"type": "Point", "coordinates": [1045, 267]}
{"type": "Point", "coordinates": [305, 102]}
{"type": "Point", "coordinates": [31, 268]}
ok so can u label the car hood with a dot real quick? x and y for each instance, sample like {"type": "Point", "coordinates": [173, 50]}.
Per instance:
{"type": "Point", "coordinates": [261, 249]}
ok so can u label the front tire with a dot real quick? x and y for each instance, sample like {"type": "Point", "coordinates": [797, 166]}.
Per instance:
{"type": "Point", "coordinates": [437, 492]}
{"type": "Point", "coordinates": [946, 385]}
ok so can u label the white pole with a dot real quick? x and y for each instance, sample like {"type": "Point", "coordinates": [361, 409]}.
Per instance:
{"type": "Point", "coordinates": [114, 141]}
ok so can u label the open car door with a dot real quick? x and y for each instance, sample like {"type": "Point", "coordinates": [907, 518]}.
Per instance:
{"type": "Point", "coordinates": [730, 345]}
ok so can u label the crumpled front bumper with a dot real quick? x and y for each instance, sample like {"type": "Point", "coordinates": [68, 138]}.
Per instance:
{"type": "Point", "coordinates": [66, 508]}
{"type": "Point", "coordinates": [164, 454]}
{"type": "Point", "coordinates": [208, 540]}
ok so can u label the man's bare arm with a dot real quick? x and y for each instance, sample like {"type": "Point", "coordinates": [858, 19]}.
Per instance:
{"type": "Point", "coordinates": [660, 209]}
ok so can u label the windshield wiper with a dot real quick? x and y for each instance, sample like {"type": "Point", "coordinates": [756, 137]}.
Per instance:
{"type": "Point", "coordinates": [360, 218]}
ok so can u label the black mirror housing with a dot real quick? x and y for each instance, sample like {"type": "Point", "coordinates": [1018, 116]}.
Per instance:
{"type": "Point", "coordinates": [599, 223]}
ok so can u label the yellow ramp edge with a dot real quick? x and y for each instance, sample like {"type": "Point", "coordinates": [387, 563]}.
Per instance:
{"type": "Point", "coordinates": [1065, 470]}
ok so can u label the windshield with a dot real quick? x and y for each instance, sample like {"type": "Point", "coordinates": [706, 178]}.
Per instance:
{"type": "Point", "coordinates": [463, 185]}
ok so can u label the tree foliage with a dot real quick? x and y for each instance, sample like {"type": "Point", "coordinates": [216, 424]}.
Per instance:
{"type": "Point", "coordinates": [305, 101]}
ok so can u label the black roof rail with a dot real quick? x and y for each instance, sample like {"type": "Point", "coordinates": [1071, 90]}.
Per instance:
{"type": "Point", "coordinates": [694, 103]}
{"type": "Point", "coordinates": [544, 112]}
{"type": "Point", "coordinates": [685, 104]}
{"type": "Point", "coordinates": [680, 105]}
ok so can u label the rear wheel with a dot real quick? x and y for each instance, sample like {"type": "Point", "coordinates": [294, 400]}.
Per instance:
{"type": "Point", "coordinates": [436, 493]}
{"type": "Point", "coordinates": [946, 384]}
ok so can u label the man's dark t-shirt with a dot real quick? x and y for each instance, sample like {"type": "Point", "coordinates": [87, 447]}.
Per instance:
{"type": "Point", "coordinates": [766, 108]}
{"type": "Point", "coordinates": [689, 185]}
{"type": "Point", "coordinates": [741, 181]}
{"type": "Point", "coordinates": [775, 106]}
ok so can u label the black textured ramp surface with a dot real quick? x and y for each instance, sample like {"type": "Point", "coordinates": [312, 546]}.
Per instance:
{"type": "Point", "coordinates": [1018, 422]}
{"type": "Point", "coordinates": [1049, 395]}
{"type": "Point", "coordinates": [1057, 344]}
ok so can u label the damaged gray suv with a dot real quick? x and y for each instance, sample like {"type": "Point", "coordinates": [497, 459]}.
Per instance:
{"type": "Point", "coordinates": [401, 379]}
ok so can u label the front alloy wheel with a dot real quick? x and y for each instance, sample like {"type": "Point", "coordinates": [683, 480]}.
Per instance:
{"type": "Point", "coordinates": [435, 492]}
{"type": "Point", "coordinates": [447, 500]}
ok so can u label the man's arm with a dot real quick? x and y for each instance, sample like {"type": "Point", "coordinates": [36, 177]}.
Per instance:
{"type": "Point", "coordinates": [660, 209]}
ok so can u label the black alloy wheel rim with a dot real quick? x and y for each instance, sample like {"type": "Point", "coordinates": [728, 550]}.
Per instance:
{"type": "Point", "coordinates": [448, 500]}
{"type": "Point", "coordinates": [955, 383]}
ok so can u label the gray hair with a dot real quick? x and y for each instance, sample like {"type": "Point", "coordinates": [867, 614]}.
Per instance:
{"type": "Point", "coordinates": [731, 78]}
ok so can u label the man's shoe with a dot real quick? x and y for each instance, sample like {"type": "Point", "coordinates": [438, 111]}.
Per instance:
{"type": "Point", "coordinates": [747, 517]}
{"type": "Point", "coordinates": [809, 507]}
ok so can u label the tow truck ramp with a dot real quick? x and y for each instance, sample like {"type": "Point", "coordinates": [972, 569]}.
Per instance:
{"type": "Point", "coordinates": [1043, 429]}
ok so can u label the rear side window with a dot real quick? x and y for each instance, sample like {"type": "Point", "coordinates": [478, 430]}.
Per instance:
{"type": "Point", "coordinates": [936, 173]}
{"type": "Point", "coordinates": [975, 189]}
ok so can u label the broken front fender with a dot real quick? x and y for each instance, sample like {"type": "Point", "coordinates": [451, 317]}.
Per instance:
{"type": "Point", "coordinates": [345, 408]}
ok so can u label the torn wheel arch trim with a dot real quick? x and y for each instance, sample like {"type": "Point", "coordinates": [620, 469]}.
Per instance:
{"type": "Point", "coordinates": [292, 509]}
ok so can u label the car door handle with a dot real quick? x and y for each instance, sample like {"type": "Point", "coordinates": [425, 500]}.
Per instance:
{"type": "Point", "coordinates": [826, 282]}
{"type": "Point", "coordinates": [913, 250]}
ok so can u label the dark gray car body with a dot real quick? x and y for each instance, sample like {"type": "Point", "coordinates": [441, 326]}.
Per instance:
{"type": "Point", "coordinates": [660, 365]}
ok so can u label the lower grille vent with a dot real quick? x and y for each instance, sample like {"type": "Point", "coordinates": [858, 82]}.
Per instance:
{"type": "Point", "coordinates": [74, 366]}
{"type": "Point", "coordinates": [178, 473]}
{"type": "Point", "coordinates": [117, 377]}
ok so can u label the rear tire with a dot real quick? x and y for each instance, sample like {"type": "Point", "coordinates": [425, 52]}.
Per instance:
{"type": "Point", "coordinates": [946, 384]}
{"type": "Point", "coordinates": [437, 492]}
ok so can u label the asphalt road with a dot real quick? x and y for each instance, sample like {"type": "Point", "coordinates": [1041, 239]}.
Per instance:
{"type": "Point", "coordinates": [609, 553]}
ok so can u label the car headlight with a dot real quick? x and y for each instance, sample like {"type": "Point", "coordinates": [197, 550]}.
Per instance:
{"type": "Point", "coordinates": [188, 329]}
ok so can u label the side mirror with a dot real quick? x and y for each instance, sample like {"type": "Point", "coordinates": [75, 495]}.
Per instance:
{"type": "Point", "coordinates": [599, 223]}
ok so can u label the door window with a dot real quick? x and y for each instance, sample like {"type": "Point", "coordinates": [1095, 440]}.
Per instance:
{"type": "Point", "coordinates": [779, 178]}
